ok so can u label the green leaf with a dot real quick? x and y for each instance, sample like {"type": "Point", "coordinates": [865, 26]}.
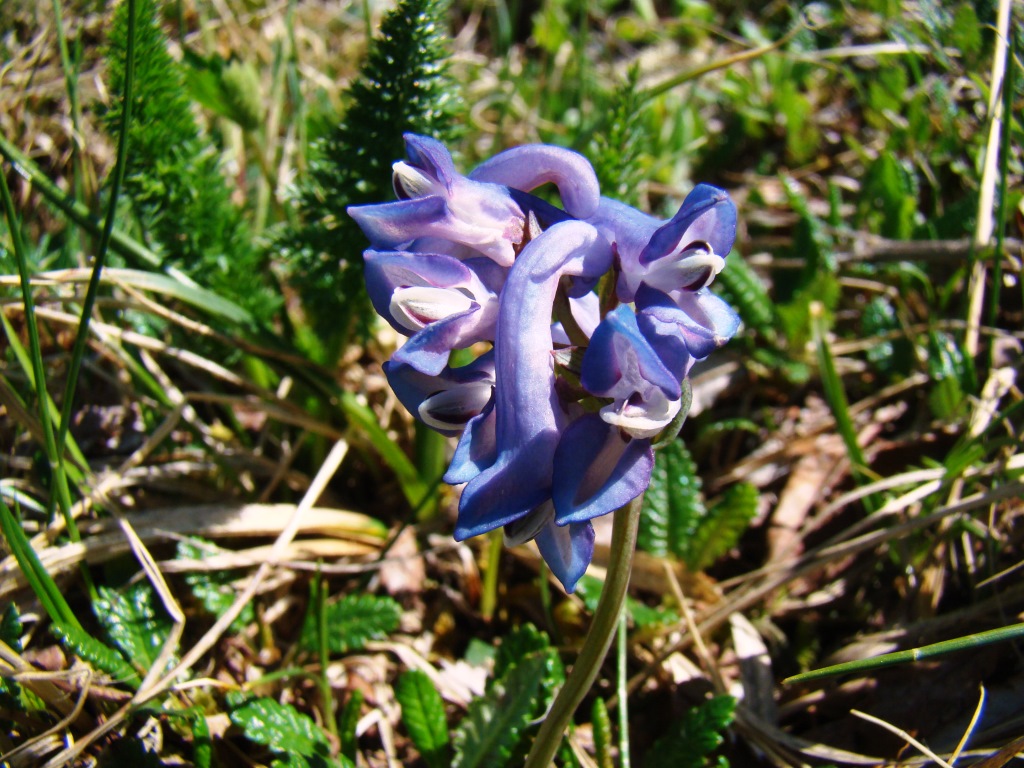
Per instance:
{"type": "Point", "coordinates": [353, 620]}
{"type": "Point", "coordinates": [133, 623]}
{"type": "Point", "coordinates": [101, 656]}
{"type": "Point", "coordinates": [423, 715]}
{"type": "Point", "coordinates": [672, 506]}
{"type": "Point", "coordinates": [12, 694]}
{"type": "Point", "coordinates": [518, 644]}
{"type": "Point", "coordinates": [347, 723]}
{"type": "Point", "coordinates": [281, 728]}
{"type": "Point", "coordinates": [214, 589]}
{"type": "Point", "coordinates": [494, 722]}
{"type": "Point", "coordinates": [49, 594]}
{"type": "Point", "coordinates": [721, 529]}
{"type": "Point", "coordinates": [602, 726]}
{"type": "Point", "coordinates": [202, 745]}
{"type": "Point", "coordinates": [700, 734]}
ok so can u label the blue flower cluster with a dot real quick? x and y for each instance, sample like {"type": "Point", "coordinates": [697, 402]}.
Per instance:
{"type": "Point", "coordinates": [557, 415]}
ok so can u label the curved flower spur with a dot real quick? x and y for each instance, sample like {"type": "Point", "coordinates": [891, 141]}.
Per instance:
{"type": "Point", "coordinates": [553, 432]}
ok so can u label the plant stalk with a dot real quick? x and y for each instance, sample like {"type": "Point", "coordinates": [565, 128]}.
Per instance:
{"type": "Point", "coordinates": [599, 638]}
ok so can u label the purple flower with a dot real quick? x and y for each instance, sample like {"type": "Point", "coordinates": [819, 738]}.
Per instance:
{"type": "Point", "coordinates": [684, 253]}
{"type": "Point", "coordinates": [441, 302]}
{"type": "Point", "coordinates": [437, 202]}
{"type": "Point", "coordinates": [448, 401]}
{"type": "Point", "coordinates": [514, 476]}
{"type": "Point", "coordinates": [555, 422]}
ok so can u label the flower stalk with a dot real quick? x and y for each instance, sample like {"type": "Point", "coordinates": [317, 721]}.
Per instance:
{"type": "Point", "coordinates": [591, 657]}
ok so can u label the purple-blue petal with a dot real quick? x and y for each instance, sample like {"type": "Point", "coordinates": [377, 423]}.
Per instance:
{"type": "Point", "coordinates": [529, 166]}
{"type": "Point", "coordinates": [528, 412]}
{"type": "Point", "coordinates": [701, 319]}
{"type": "Point", "coordinates": [567, 550]}
{"type": "Point", "coordinates": [619, 358]}
{"type": "Point", "coordinates": [707, 215]}
{"type": "Point", "coordinates": [413, 387]}
{"type": "Point", "coordinates": [476, 450]}
{"type": "Point", "coordinates": [597, 471]}
{"type": "Point", "coordinates": [432, 156]}
{"type": "Point", "coordinates": [390, 225]}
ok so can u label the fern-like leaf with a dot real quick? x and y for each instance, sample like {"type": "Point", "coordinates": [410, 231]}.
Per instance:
{"type": "Point", "coordinates": [673, 506]}
{"type": "Point", "coordinates": [133, 622]}
{"type": "Point", "coordinates": [282, 729]}
{"type": "Point", "coordinates": [699, 736]}
{"type": "Point", "coordinates": [173, 177]}
{"type": "Point", "coordinates": [492, 726]}
{"type": "Point", "coordinates": [352, 621]}
{"type": "Point", "coordinates": [403, 87]}
{"type": "Point", "coordinates": [721, 529]}
{"type": "Point", "coordinates": [101, 656]}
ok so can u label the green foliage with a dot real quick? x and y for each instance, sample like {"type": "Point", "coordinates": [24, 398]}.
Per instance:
{"type": "Point", "coordinates": [616, 151]}
{"type": "Point", "coordinates": [675, 522]}
{"type": "Point", "coordinates": [43, 585]}
{"type": "Point", "coordinates": [202, 746]}
{"type": "Point", "coordinates": [347, 723]}
{"type": "Point", "coordinates": [673, 506]}
{"type": "Point", "coordinates": [722, 527]}
{"type": "Point", "coordinates": [492, 727]}
{"type": "Point", "coordinates": [699, 735]}
{"type": "Point", "coordinates": [403, 87]}
{"type": "Point", "coordinates": [293, 737]}
{"type": "Point", "coordinates": [887, 203]}
{"type": "Point", "coordinates": [132, 621]}
{"type": "Point", "coordinates": [101, 656]}
{"type": "Point", "coordinates": [946, 368]}
{"type": "Point", "coordinates": [424, 718]}
{"type": "Point", "coordinates": [214, 589]}
{"type": "Point", "coordinates": [816, 282]}
{"type": "Point", "coordinates": [173, 178]}
{"type": "Point", "coordinates": [12, 694]}
{"type": "Point", "coordinates": [602, 726]}
{"type": "Point", "coordinates": [641, 615]}
{"type": "Point", "coordinates": [352, 621]}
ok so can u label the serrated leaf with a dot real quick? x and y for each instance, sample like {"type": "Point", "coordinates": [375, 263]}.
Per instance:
{"type": "Point", "coordinates": [281, 728]}
{"type": "Point", "coordinates": [101, 656]}
{"type": "Point", "coordinates": [214, 589]}
{"type": "Point", "coordinates": [516, 645]}
{"type": "Point", "coordinates": [700, 734]}
{"type": "Point", "coordinates": [133, 623]}
{"type": "Point", "coordinates": [424, 718]}
{"type": "Point", "coordinates": [494, 722]}
{"type": "Point", "coordinates": [672, 506]}
{"type": "Point", "coordinates": [723, 526]}
{"type": "Point", "coordinates": [352, 621]}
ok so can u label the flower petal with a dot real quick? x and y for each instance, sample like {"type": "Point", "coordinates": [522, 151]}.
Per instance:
{"type": "Point", "coordinates": [703, 321]}
{"type": "Point", "coordinates": [597, 470]}
{"type": "Point", "coordinates": [528, 413]}
{"type": "Point", "coordinates": [567, 550]}
{"type": "Point", "coordinates": [529, 166]}
{"type": "Point", "coordinates": [448, 401]}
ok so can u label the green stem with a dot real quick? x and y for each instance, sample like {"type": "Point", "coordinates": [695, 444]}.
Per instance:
{"type": "Point", "coordinates": [489, 598]}
{"type": "Point", "coordinates": [78, 351]}
{"type": "Point", "coordinates": [622, 680]}
{"type": "Point", "coordinates": [599, 638]}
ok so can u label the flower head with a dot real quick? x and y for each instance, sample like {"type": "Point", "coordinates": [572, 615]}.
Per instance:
{"type": "Point", "coordinates": [556, 420]}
